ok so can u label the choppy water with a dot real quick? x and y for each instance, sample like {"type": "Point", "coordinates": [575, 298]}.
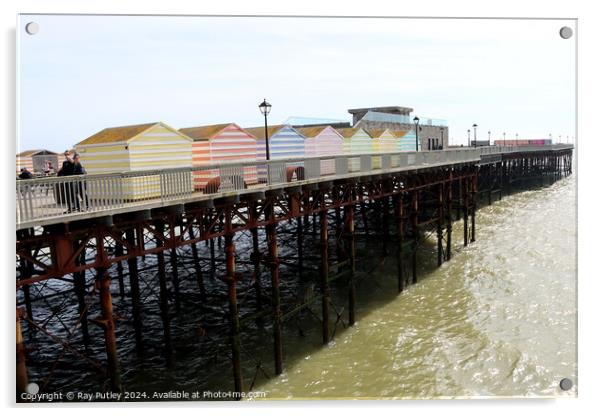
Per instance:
{"type": "Point", "coordinates": [497, 320]}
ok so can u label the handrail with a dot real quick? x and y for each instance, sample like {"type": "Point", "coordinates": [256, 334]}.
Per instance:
{"type": "Point", "coordinates": [70, 196]}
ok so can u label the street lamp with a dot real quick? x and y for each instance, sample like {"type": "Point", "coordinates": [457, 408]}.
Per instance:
{"type": "Point", "coordinates": [265, 108]}
{"type": "Point", "coordinates": [474, 126]}
{"type": "Point", "coordinates": [416, 120]}
{"type": "Point", "coordinates": [504, 138]}
{"type": "Point", "coordinates": [516, 136]}
{"type": "Point", "coordinates": [441, 130]}
{"type": "Point", "coordinates": [468, 131]}
{"type": "Point", "coordinates": [489, 139]}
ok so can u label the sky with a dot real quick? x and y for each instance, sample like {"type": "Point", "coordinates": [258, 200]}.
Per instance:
{"type": "Point", "coordinates": [80, 74]}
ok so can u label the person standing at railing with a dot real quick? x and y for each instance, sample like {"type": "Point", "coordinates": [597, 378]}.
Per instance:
{"type": "Point", "coordinates": [81, 189]}
{"type": "Point", "coordinates": [65, 192]}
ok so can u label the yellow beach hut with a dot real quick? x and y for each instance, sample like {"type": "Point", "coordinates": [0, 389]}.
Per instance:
{"type": "Point", "coordinates": [355, 141]}
{"type": "Point", "coordinates": [141, 147]}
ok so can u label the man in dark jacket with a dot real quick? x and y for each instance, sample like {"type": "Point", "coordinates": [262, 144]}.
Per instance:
{"type": "Point", "coordinates": [81, 191]}
{"type": "Point", "coordinates": [25, 174]}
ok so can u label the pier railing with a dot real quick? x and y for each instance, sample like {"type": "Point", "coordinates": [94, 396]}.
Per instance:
{"type": "Point", "coordinates": [74, 196]}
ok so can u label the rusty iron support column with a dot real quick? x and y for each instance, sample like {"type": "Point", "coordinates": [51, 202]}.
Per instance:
{"type": "Point", "coordinates": [364, 218]}
{"type": "Point", "coordinates": [399, 219]}
{"type": "Point", "coordinates": [350, 249]}
{"type": "Point", "coordinates": [414, 218]}
{"type": "Point", "coordinates": [300, 246]}
{"type": "Point", "coordinates": [233, 307]}
{"type": "Point", "coordinates": [21, 367]}
{"type": "Point", "coordinates": [275, 273]}
{"type": "Point", "coordinates": [465, 209]}
{"type": "Point", "coordinates": [164, 298]}
{"type": "Point", "coordinates": [26, 271]}
{"type": "Point", "coordinates": [173, 260]}
{"type": "Point", "coordinates": [197, 267]}
{"type": "Point", "coordinates": [440, 225]}
{"type": "Point", "coordinates": [107, 322]}
{"type": "Point", "coordinates": [324, 272]}
{"type": "Point", "coordinates": [130, 236]}
{"type": "Point", "coordinates": [79, 285]}
{"type": "Point", "coordinates": [384, 205]}
{"type": "Point", "coordinates": [448, 216]}
{"type": "Point", "coordinates": [119, 253]}
{"type": "Point", "coordinates": [255, 258]}
{"type": "Point", "coordinates": [473, 208]}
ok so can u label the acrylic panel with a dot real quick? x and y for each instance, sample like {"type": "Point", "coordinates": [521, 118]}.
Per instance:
{"type": "Point", "coordinates": [268, 208]}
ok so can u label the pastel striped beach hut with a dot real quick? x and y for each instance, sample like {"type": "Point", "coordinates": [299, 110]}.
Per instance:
{"type": "Point", "coordinates": [382, 141]}
{"type": "Point", "coordinates": [322, 141]}
{"type": "Point", "coordinates": [285, 143]}
{"type": "Point", "coordinates": [355, 140]}
{"type": "Point", "coordinates": [37, 161]}
{"type": "Point", "coordinates": [405, 140]}
{"type": "Point", "coordinates": [141, 147]}
{"type": "Point", "coordinates": [218, 143]}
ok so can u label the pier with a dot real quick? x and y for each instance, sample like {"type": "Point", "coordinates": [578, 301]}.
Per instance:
{"type": "Point", "coordinates": [90, 232]}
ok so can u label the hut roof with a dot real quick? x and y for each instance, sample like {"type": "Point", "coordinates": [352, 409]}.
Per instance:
{"type": "Point", "coordinates": [259, 132]}
{"type": "Point", "coordinates": [399, 133]}
{"type": "Point", "coordinates": [311, 131]}
{"type": "Point", "coordinates": [374, 133]}
{"type": "Point", "coordinates": [204, 132]}
{"type": "Point", "coordinates": [349, 131]}
{"type": "Point", "coordinates": [27, 153]}
{"type": "Point", "coordinates": [117, 134]}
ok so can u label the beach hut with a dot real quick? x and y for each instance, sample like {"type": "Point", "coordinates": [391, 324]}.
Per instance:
{"type": "Point", "coordinates": [285, 143]}
{"type": "Point", "coordinates": [220, 143]}
{"type": "Point", "coordinates": [382, 141]}
{"type": "Point", "coordinates": [405, 141]}
{"type": "Point", "coordinates": [355, 141]}
{"type": "Point", "coordinates": [322, 141]}
{"type": "Point", "coordinates": [141, 147]}
{"type": "Point", "coordinates": [38, 161]}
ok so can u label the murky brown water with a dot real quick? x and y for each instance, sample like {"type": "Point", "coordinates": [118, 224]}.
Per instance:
{"type": "Point", "coordinates": [499, 319]}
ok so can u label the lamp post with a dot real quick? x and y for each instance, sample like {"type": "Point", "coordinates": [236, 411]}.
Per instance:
{"type": "Point", "coordinates": [489, 138]}
{"type": "Point", "coordinates": [516, 136]}
{"type": "Point", "coordinates": [468, 131]}
{"type": "Point", "coordinates": [474, 126]}
{"type": "Point", "coordinates": [416, 120]}
{"type": "Point", "coordinates": [504, 138]}
{"type": "Point", "coordinates": [265, 108]}
{"type": "Point", "coordinates": [441, 130]}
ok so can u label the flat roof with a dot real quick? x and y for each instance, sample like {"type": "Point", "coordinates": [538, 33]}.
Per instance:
{"type": "Point", "coordinates": [389, 109]}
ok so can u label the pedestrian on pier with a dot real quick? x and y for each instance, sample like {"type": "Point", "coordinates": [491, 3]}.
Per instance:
{"type": "Point", "coordinates": [25, 174]}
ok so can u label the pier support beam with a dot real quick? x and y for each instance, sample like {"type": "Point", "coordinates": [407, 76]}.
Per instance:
{"type": "Point", "coordinates": [164, 299]}
{"type": "Point", "coordinates": [135, 289]}
{"type": "Point", "coordinates": [107, 322]}
{"type": "Point", "coordinates": [197, 267]}
{"type": "Point", "coordinates": [233, 310]}
{"type": "Point", "coordinates": [79, 285]}
{"type": "Point", "coordinates": [350, 249]}
{"type": "Point", "coordinates": [448, 217]}
{"type": "Point", "coordinates": [119, 253]}
{"type": "Point", "coordinates": [400, 230]}
{"type": "Point", "coordinates": [473, 208]}
{"type": "Point", "coordinates": [324, 273]}
{"type": "Point", "coordinates": [256, 258]}
{"type": "Point", "coordinates": [464, 186]}
{"type": "Point", "coordinates": [275, 274]}
{"type": "Point", "coordinates": [414, 219]}
{"type": "Point", "coordinates": [440, 224]}
{"type": "Point", "coordinates": [300, 246]}
{"type": "Point", "coordinates": [21, 367]}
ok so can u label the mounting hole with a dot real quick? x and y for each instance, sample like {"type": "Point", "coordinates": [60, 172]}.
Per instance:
{"type": "Point", "coordinates": [32, 388]}
{"type": "Point", "coordinates": [566, 384]}
{"type": "Point", "coordinates": [32, 28]}
{"type": "Point", "coordinates": [566, 32]}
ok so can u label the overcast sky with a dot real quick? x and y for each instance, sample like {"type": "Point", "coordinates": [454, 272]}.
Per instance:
{"type": "Point", "coordinates": [79, 74]}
